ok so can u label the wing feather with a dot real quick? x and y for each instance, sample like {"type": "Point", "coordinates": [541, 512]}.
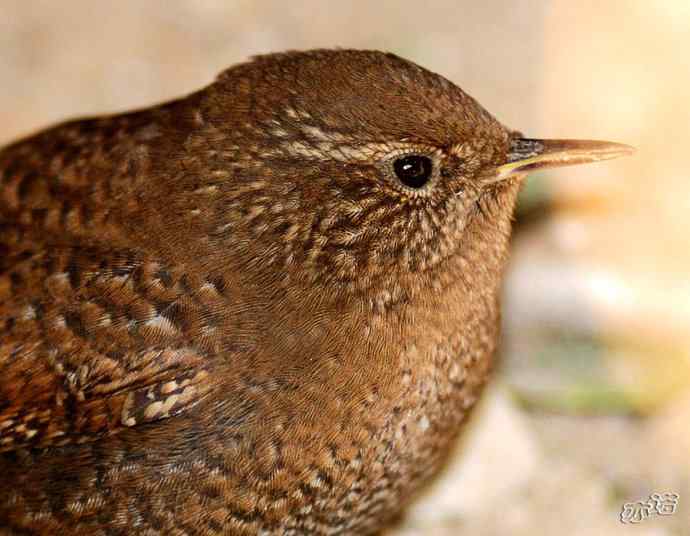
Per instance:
{"type": "Point", "coordinates": [96, 332]}
{"type": "Point", "coordinates": [81, 360]}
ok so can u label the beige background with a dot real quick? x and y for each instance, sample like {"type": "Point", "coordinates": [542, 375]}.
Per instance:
{"type": "Point", "coordinates": [591, 407]}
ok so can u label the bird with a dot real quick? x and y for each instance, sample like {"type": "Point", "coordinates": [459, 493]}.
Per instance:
{"type": "Point", "coordinates": [267, 307]}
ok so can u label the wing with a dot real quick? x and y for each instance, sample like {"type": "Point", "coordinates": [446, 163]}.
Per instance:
{"type": "Point", "coordinates": [96, 334]}
{"type": "Point", "coordinates": [95, 341]}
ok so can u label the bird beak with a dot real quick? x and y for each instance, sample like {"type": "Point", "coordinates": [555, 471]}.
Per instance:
{"type": "Point", "coordinates": [527, 154]}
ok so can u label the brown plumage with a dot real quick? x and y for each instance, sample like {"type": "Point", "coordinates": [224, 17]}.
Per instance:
{"type": "Point", "coordinates": [229, 315]}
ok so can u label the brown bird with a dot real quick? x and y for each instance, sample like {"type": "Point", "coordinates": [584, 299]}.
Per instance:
{"type": "Point", "coordinates": [265, 308]}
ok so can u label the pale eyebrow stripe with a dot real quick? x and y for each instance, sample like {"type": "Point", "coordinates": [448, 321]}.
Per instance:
{"type": "Point", "coordinates": [341, 150]}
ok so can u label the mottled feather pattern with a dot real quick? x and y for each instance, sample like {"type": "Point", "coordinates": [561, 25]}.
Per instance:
{"type": "Point", "coordinates": [223, 315]}
{"type": "Point", "coordinates": [98, 325]}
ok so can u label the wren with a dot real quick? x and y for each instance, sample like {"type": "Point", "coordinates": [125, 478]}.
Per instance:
{"type": "Point", "coordinates": [264, 308]}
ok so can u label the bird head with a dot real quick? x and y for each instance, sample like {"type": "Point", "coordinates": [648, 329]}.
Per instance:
{"type": "Point", "coordinates": [360, 171]}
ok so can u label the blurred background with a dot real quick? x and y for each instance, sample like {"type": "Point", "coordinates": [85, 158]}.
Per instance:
{"type": "Point", "coordinates": [591, 407]}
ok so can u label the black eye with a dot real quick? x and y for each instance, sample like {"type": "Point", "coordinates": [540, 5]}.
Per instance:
{"type": "Point", "coordinates": [413, 170]}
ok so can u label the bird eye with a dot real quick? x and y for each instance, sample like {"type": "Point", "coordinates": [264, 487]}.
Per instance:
{"type": "Point", "coordinates": [413, 170]}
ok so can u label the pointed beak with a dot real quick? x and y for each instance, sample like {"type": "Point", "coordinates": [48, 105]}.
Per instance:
{"type": "Point", "coordinates": [527, 154]}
